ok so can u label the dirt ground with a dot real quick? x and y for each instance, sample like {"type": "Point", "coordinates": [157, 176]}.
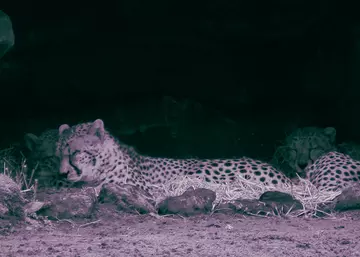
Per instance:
{"type": "Point", "coordinates": [204, 235]}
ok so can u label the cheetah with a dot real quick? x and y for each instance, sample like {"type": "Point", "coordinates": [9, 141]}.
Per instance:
{"type": "Point", "coordinates": [334, 171]}
{"type": "Point", "coordinates": [302, 148]}
{"type": "Point", "coordinates": [41, 159]}
{"type": "Point", "coordinates": [42, 146]}
{"type": "Point", "coordinates": [88, 152]}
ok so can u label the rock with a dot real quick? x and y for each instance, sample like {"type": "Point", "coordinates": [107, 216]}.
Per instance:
{"type": "Point", "coordinates": [7, 38]}
{"type": "Point", "coordinates": [245, 206]}
{"type": "Point", "coordinates": [189, 203]}
{"type": "Point", "coordinates": [33, 207]}
{"type": "Point", "coordinates": [11, 200]}
{"type": "Point", "coordinates": [127, 198]}
{"type": "Point", "coordinates": [282, 202]}
{"type": "Point", "coordinates": [68, 204]}
{"type": "Point", "coordinates": [270, 203]}
{"type": "Point", "coordinates": [348, 200]}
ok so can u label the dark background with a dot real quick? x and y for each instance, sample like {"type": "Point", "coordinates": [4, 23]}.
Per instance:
{"type": "Point", "coordinates": [267, 66]}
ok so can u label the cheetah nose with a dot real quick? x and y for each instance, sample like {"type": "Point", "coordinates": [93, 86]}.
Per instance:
{"type": "Point", "coordinates": [302, 165]}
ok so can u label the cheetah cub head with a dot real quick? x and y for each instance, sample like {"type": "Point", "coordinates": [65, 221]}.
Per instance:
{"type": "Point", "coordinates": [304, 146]}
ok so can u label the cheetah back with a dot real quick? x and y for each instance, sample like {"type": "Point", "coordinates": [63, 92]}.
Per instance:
{"type": "Point", "coordinates": [334, 171]}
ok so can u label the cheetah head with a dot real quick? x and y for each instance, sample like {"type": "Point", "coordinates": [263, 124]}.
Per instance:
{"type": "Point", "coordinates": [303, 146]}
{"type": "Point", "coordinates": [79, 150]}
{"type": "Point", "coordinates": [42, 146]}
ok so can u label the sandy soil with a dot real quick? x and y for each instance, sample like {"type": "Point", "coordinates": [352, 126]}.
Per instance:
{"type": "Point", "coordinates": [204, 235]}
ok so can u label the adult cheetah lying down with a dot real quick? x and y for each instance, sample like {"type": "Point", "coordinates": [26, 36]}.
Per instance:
{"type": "Point", "coordinates": [302, 148]}
{"type": "Point", "coordinates": [310, 152]}
{"type": "Point", "coordinates": [88, 152]}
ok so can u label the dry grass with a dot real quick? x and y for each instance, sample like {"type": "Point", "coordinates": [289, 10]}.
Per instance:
{"type": "Point", "coordinates": [15, 168]}
{"type": "Point", "coordinates": [309, 196]}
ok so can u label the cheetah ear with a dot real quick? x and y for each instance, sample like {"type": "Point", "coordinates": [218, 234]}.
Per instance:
{"type": "Point", "coordinates": [331, 133]}
{"type": "Point", "coordinates": [62, 128]}
{"type": "Point", "coordinates": [31, 141]}
{"type": "Point", "coordinates": [97, 129]}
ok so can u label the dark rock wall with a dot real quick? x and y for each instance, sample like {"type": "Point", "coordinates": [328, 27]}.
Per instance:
{"type": "Point", "coordinates": [267, 65]}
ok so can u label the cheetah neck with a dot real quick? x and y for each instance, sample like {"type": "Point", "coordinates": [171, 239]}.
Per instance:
{"type": "Point", "coordinates": [120, 162]}
{"type": "Point", "coordinates": [124, 165]}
